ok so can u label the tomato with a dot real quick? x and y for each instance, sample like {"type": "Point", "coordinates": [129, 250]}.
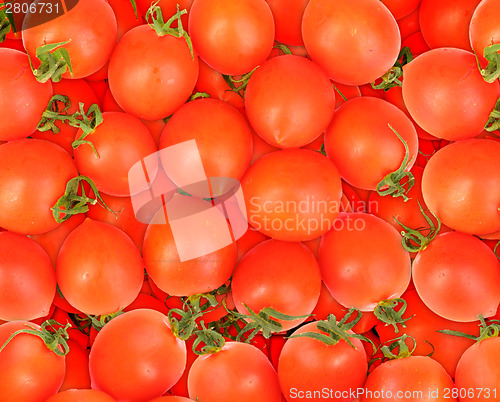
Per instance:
{"type": "Point", "coordinates": [458, 277]}
{"type": "Point", "coordinates": [136, 357]}
{"type": "Point", "coordinates": [289, 101]}
{"type": "Point", "coordinates": [292, 195]}
{"type": "Point", "coordinates": [362, 145]}
{"type": "Point", "coordinates": [29, 370]}
{"type": "Point", "coordinates": [307, 366]}
{"type": "Point", "coordinates": [121, 141]}
{"type": "Point", "coordinates": [232, 38]}
{"type": "Point", "coordinates": [239, 371]}
{"type": "Point", "coordinates": [170, 399]}
{"type": "Point", "coordinates": [260, 147]}
{"type": "Point", "coordinates": [410, 24]}
{"type": "Point", "coordinates": [151, 76]}
{"type": "Point", "coordinates": [363, 279]}
{"type": "Point", "coordinates": [147, 301]}
{"type": "Point", "coordinates": [19, 89]}
{"type": "Point", "coordinates": [168, 7]}
{"type": "Point", "coordinates": [27, 279]}
{"type": "Point", "coordinates": [99, 259]}
{"type": "Point", "coordinates": [401, 8]}
{"type": "Point", "coordinates": [443, 82]}
{"type": "Point", "coordinates": [455, 15]}
{"type": "Point", "coordinates": [90, 27]}
{"type": "Point", "coordinates": [81, 395]}
{"type": "Point", "coordinates": [354, 41]}
{"type": "Point", "coordinates": [33, 175]}
{"type": "Point", "coordinates": [423, 325]}
{"type": "Point", "coordinates": [255, 280]}
{"type": "Point", "coordinates": [223, 141]}
{"type": "Point", "coordinates": [125, 16]}
{"type": "Point", "coordinates": [205, 270]}
{"type": "Point", "coordinates": [461, 184]}
{"type": "Point", "coordinates": [77, 368]}
{"type": "Point", "coordinates": [288, 20]}
{"type": "Point", "coordinates": [483, 29]}
{"type": "Point", "coordinates": [416, 43]}
{"type": "Point", "coordinates": [77, 91]}
{"type": "Point", "coordinates": [478, 370]}
{"type": "Point", "coordinates": [250, 239]}
{"type": "Point", "coordinates": [345, 91]}
{"type": "Point", "coordinates": [413, 378]}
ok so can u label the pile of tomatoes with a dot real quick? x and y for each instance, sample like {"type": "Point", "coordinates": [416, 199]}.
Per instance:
{"type": "Point", "coordinates": [318, 215]}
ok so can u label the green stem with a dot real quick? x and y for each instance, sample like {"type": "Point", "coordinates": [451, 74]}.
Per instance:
{"type": "Point", "coordinates": [491, 330]}
{"type": "Point", "coordinates": [54, 62]}
{"type": "Point", "coordinates": [392, 77]}
{"type": "Point", "coordinates": [492, 70]}
{"type": "Point", "coordinates": [386, 312]}
{"type": "Point", "coordinates": [243, 81]}
{"type": "Point", "coordinates": [493, 122]}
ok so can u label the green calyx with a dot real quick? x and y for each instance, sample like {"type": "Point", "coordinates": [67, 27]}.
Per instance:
{"type": "Point", "coordinates": [54, 62]}
{"type": "Point", "coordinates": [492, 70]}
{"type": "Point", "coordinates": [413, 239]}
{"type": "Point", "coordinates": [487, 330]}
{"type": "Point", "coordinates": [391, 183]}
{"type": "Point", "coordinates": [401, 346]}
{"type": "Point", "coordinates": [163, 28]}
{"type": "Point", "coordinates": [98, 322]}
{"type": "Point", "coordinates": [284, 48]}
{"type": "Point", "coordinates": [493, 122]}
{"type": "Point", "coordinates": [387, 313]}
{"type": "Point", "coordinates": [392, 77]}
{"type": "Point", "coordinates": [6, 22]}
{"type": "Point", "coordinates": [53, 338]}
{"type": "Point", "coordinates": [239, 85]}
{"type": "Point", "coordinates": [72, 203]}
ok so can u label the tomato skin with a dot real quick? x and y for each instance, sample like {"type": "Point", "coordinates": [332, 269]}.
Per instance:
{"type": "Point", "coordinates": [90, 27]}
{"type": "Point", "coordinates": [288, 20]}
{"type": "Point", "coordinates": [136, 357]}
{"type": "Point", "coordinates": [255, 280]}
{"type": "Point", "coordinates": [410, 24]}
{"type": "Point", "coordinates": [29, 371]}
{"type": "Point", "coordinates": [81, 395]}
{"type": "Point", "coordinates": [26, 196]}
{"type": "Point", "coordinates": [77, 374]}
{"type": "Point", "coordinates": [19, 89]}
{"type": "Point", "coordinates": [289, 101]}
{"type": "Point", "coordinates": [361, 144]}
{"type": "Point", "coordinates": [461, 184]}
{"type": "Point", "coordinates": [27, 279]}
{"type": "Point", "coordinates": [419, 376]}
{"type": "Point", "coordinates": [401, 8]}
{"type": "Point", "coordinates": [458, 277]}
{"type": "Point", "coordinates": [99, 259]}
{"type": "Point", "coordinates": [483, 29]}
{"type": "Point", "coordinates": [232, 38]}
{"type": "Point", "coordinates": [361, 280]}
{"type": "Point", "coordinates": [239, 371]}
{"type": "Point", "coordinates": [151, 76]}
{"type": "Point", "coordinates": [308, 364]}
{"type": "Point", "coordinates": [343, 36]}
{"type": "Point", "coordinates": [443, 81]}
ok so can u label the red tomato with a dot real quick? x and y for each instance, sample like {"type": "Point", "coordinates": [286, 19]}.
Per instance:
{"type": "Point", "coordinates": [410, 24]}
{"type": "Point", "coordinates": [354, 41]}
{"type": "Point", "coordinates": [288, 20]}
{"type": "Point", "coordinates": [461, 184]}
{"type": "Point", "coordinates": [232, 38]}
{"type": "Point", "coordinates": [33, 175]}
{"type": "Point", "coordinates": [289, 101]}
{"type": "Point", "coordinates": [401, 8]}
{"type": "Point", "coordinates": [180, 388]}
{"type": "Point", "coordinates": [458, 277]}
{"type": "Point", "coordinates": [99, 259]}
{"type": "Point", "coordinates": [382, 271]}
{"type": "Point", "coordinates": [22, 98]}
{"type": "Point", "coordinates": [239, 371]}
{"type": "Point", "coordinates": [171, 399]}
{"type": "Point", "coordinates": [413, 378]}
{"type": "Point", "coordinates": [307, 366]}
{"type": "Point", "coordinates": [416, 43]}
{"type": "Point", "coordinates": [168, 8]}
{"type": "Point", "coordinates": [260, 147]}
{"type": "Point", "coordinates": [345, 91]}
{"type": "Point", "coordinates": [77, 374]}
{"type": "Point", "coordinates": [298, 201]}
{"type": "Point", "coordinates": [362, 145]}
{"type": "Point", "coordinates": [441, 82]}
{"type": "Point", "coordinates": [81, 395]}
{"type": "Point", "coordinates": [125, 16]}
{"type": "Point", "coordinates": [445, 23]}
{"type": "Point", "coordinates": [136, 357]}
{"type": "Point", "coordinates": [90, 27]}
{"type": "Point", "coordinates": [27, 279]}
{"type": "Point", "coordinates": [250, 239]}
{"type": "Point", "coordinates": [29, 370]}
{"type": "Point", "coordinates": [151, 76]}
{"type": "Point", "coordinates": [484, 30]}
{"type": "Point", "coordinates": [255, 280]}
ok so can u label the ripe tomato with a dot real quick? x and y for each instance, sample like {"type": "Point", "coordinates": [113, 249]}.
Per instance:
{"type": "Point", "coordinates": [461, 184]}
{"type": "Point", "coordinates": [239, 371]}
{"type": "Point", "coordinates": [307, 366]}
{"type": "Point", "coordinates": [443, 82]}
{"type": "Point", "coordinates": [288, 20]}
{"type": "Point", "coordinates": [22, 98]}
{"type": "Point", "coordinates": [289, 101]}
{"type": "Point", "coordinates": [90, 27]}
{"type": "Point", "coordinates": [232, 38]}
{"type": "Point", "coordinates": [354, 41]}
{"type": "Point", "coordinates": [362, 145]}
{"type": "Point", "coordinates": [33, 175]}
{"type": "Point", "coordinates": [29, 370]}
{"type": "Point", "coordinates": [99, 259]}
{"type": "Point", "coordinates": [484, 30]}
{"type": "Point", "coordinates": [81, 395]}
{"type": "Point", "coordinates": [401, 8]}
{"type": "Point", "coordinates": [255, 280]}
{"type": "Point", "coordinates": [362, 279]}
{"type": "Point", "coordinates": [298, 201]}
{"type": "Point", "coordinates": [413, 378]}
{"type": "Point", "coordinates": [136, 357]}
{"type": "Point", "coordinates": [410, 24]}
{"type": "Point", "coordinates": [458, 277]}
{"type": "Point", "coordinates": [27, 279]}
{"type": "Point", "coordinates": [77, 374]}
